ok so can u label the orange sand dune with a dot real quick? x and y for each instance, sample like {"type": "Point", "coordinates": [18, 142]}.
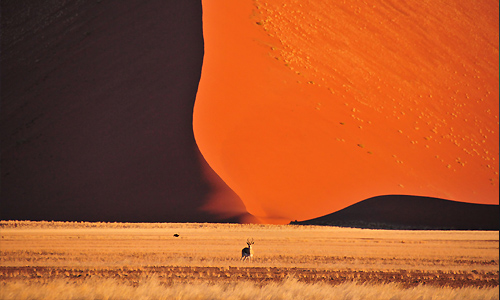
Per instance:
{"type": "Point", "coordinates": [304, 107]}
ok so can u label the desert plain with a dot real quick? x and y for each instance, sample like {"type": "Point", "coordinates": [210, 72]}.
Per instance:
{"type": "Point", "coordinates": [82, 260]}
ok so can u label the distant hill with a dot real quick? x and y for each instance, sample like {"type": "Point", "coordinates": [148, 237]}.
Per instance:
{"type": "Point", "coordinates": [412, 212]}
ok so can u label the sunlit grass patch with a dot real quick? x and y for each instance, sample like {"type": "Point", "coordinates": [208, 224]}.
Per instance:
{"type": "Point", "coordinates": [290, 288]}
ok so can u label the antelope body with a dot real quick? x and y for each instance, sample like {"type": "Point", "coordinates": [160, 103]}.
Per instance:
{"type": "Point", "coordinates": [247, 253]}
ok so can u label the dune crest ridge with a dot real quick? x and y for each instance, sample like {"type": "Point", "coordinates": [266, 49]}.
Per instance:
{"type": "Point", "coordinates": [304, 108]}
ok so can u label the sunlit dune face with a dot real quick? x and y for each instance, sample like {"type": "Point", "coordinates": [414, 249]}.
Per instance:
{"type": "Point", "coordinates": [304, 107]}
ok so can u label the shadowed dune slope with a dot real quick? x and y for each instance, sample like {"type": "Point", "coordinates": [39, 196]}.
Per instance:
{"type": "Point", "coordinates": [412, 212]}
{"type": "Point", "coordinates": [96, 113]}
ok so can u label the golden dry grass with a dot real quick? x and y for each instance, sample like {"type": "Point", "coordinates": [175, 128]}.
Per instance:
{"type": "Point", "coordinates": [122, 244]}
{"type": "Point", "coordinates": [290, 288]}
{"type": "Point", "coordinates": [43, 257]}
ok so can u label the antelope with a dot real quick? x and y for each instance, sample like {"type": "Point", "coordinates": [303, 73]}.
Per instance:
{"type": "Point", "coordinates": [247, 253]}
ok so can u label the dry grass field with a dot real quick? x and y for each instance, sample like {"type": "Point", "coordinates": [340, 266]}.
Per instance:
{"type": "Point", "coordinates": [58, 260]}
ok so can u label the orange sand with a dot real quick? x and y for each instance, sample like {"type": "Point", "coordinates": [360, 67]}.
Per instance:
{"type": "Point", "coordinates": [304, 108]}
